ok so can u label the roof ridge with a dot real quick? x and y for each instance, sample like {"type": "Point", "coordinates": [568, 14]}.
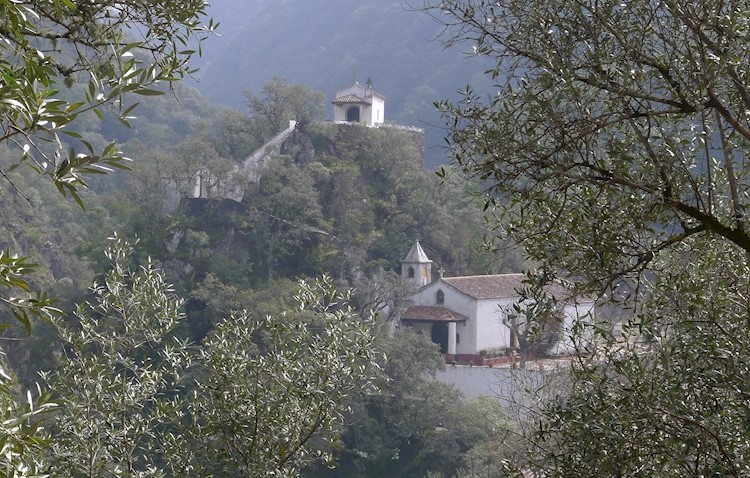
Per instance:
{"type": "Point", "coordinates": [487, 275]}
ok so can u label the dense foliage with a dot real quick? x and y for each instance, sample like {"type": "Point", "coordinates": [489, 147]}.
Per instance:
{"type": "Point", "coordinates": [614, 150]}
{"type": "Point", "coordinates": [344, 200]}
{"type": "Point", "coordinates": [417, 426]}
{"type": "Point", "coordinates": [113, 50]}
{"type": "Point", "coordinates": [47, 46]}
{"type": "Point", "coordinates": [260, 398]}
{"type": "Point", "coordinates": [253, 373]}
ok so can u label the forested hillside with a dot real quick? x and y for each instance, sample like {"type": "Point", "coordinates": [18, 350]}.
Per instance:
{"type": "Point", "coordinates": [150, 332]}
{"type": "Point", "coordinates": [343, 201]}
{"type": "Point", "coordinates": [346, 200]}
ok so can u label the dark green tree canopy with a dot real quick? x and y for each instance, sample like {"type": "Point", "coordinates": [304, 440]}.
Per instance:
{"type": "Point", "coordinates": [104, 53]}
{"type": "Point", "coordinates": [278, 103]}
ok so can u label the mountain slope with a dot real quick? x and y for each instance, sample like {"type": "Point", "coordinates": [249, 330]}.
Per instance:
{"type": "Point", "coordinates": [319, 44]}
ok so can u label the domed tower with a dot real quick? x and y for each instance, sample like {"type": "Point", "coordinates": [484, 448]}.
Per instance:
{"type": "Point", "coordinates": [416, 267]}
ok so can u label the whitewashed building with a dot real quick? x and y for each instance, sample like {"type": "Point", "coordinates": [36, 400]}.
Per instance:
{"type": "Point", "coordinates": [470, 314]}
{"type": "Point", "coordinates": [359, 104]}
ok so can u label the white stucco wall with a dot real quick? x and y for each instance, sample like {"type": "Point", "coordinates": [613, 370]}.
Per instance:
{"type": "Point", "coordinates": [422, 272]}
{"type": "Point", "coordinates": [370, 115]}
{"type": "Point", "coordinates": [339, 112]}
{"type": "Point", "coordinates": [484, 329]}
{"type": "Point", "coordinates": [365, 112]}
{"type": "Point", "coordinates": [457, 302]}
{"type": "Point", "coordinates": [467, 333]}
{"type": "Point", "coordinates": [519, 391]}
{"type": "Point", "coordinates": [491, 332]}
{"type": "Point", "coordinates": [377, 111]}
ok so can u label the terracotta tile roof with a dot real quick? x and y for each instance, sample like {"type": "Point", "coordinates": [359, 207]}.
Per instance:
{"type": "Point", "coordinates": [500, 286]}
{"type": "Point", "coordinates": [416, 254]}
{"type": "Point", "coordinates": [350, 99]}
{"type": "Point", "coordinates": [427, 313]}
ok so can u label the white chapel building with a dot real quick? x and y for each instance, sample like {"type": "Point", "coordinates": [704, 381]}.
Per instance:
{"type": "Point", "coordinates": [359, 104]}
{"type": "Point", "coordinates": [468, 314]}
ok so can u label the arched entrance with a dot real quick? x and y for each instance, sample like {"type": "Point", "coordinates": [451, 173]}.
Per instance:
{"type": "Point", "coordinates": [440, 336]}
{"type": "Point", "coordinates": [352, 114]}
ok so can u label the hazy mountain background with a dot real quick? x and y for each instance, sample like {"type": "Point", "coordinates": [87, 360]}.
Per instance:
{"type": "Point", "coordinates": [320, 43]}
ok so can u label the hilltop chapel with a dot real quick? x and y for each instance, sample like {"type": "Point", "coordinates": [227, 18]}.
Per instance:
{"type": "Point", "coordinates": [359, 104]}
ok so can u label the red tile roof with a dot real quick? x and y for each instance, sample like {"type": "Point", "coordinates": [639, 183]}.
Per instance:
{"type": "Point", "coordinates": [426, 313]}
{"type": "Point", "coordinates": [500, 286]}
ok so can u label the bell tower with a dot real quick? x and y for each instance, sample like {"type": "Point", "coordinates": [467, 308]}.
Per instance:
{"type": "Point", "coordinates": [416, 267]}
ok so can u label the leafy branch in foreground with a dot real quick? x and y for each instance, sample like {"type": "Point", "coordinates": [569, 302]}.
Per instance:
{"type": "Point", "coordinates": [273, 389]}
{"type": "Point", "coordinates": [260, 397]}
{"type": "Point", "coordinates": [616, 131]}
{"type": "Point", "coordinates": [675, 405]}
{"type": "Point", "coordinates": [120, 373]}
{"type": "Point", "coordinates": [614, 149]}
{"type": "Point", "coordinates": [12, 271]}
{"type": "Point", "coordinates": [113, 50]}
{"type": "Point", "coordinates": [23, 440]}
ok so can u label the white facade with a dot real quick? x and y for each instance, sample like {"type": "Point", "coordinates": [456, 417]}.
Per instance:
{"type": "Point", "coordinates": [359, 104]}
{"type": "Point", "coordinates": [483, 328]}
{"type": "Point", "coordinates": [477, 311]}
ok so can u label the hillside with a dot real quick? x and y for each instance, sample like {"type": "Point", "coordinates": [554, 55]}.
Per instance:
{"type": "Point", "coordinates": [170, 331]}
{"type": "Point", "coordinates": [319, 44]}
{"type": "Point", "coordinates": [344, 199]}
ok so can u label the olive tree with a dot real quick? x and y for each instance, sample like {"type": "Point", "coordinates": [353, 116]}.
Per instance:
{"type": "Point", "coordinates": [676, 406]}
{"type": "Point", "coordinates": [104, 52]}
{"type": "Point", "coordinates": [114, 50]}
{"type": "Point", "coordinates": [261, 396]}
{"type": "Point", "coordinates": [278, 103]}
{"type": "Point", "coordinates": [61, 60]}
{"type": "Point", "coordinates": [613, 147]}
{"type": "Point", "coordinates": [119, 374]}
{"type": "Point", "coordinates": [272, 390]}
{"type": "Point", "coordinates": [618, 129]}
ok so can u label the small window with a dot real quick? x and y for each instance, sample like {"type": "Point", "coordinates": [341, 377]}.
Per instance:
{"type": "Point", "coordinates": [411, 272]}
{"type": "Point", "coordinates": [458, 338]}
{"type": "Point", "coordinates": [440, 297]}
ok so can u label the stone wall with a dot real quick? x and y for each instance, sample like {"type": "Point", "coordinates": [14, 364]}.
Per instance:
{"type": "Point", "coordinates": [519, 390]}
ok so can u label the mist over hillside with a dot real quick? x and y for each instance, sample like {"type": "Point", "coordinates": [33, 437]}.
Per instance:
{"type": "Point", "coordinates": [320, 44]}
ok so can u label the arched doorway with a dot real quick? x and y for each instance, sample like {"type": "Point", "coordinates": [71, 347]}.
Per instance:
{"type": "Point", "coordinates": [440, 336]}
{"type": "Point", "coordinates": [352, 114]}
